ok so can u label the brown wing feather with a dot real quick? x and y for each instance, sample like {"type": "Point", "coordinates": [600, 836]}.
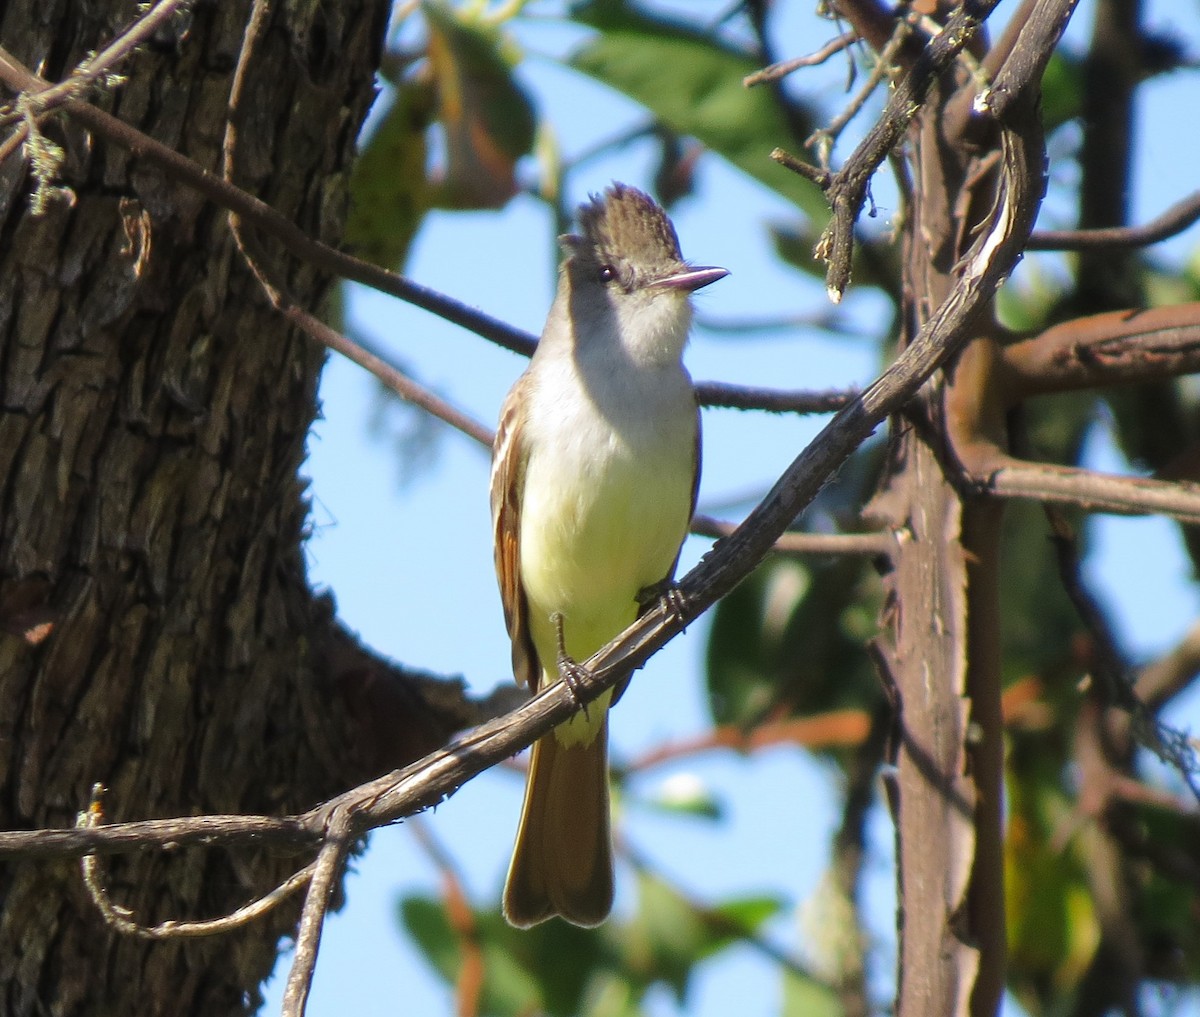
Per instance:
{"type": "Point", "coordinates": [508, 474]}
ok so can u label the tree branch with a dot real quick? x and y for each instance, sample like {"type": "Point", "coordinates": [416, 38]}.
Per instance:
{"type": "Point", "coordinates": [119, 917]}
{"type": "Point", "coordinates": [846, 190]}
{"type": "Point", "coordinates": [1170, 223]}
{"type": "Point", "coordinates": [325, 878]}
{"type": "Point", "coordinates": [806, 543]}
{"type": "Point", "coordinates": [783, 68]}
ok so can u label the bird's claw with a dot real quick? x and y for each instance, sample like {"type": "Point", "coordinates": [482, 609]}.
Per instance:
{"type": "Point", "coordinates": [670, 595]}
{"type": "Point", "coordinates": [570, 670]}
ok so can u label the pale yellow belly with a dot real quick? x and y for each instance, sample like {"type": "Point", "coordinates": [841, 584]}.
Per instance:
{"type": "Point", "coordinates": [593, 537]}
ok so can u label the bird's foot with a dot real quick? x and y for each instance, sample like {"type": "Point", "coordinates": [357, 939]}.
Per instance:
{"type": "Point", "coordinates": [670, 595]}
{"type": "Point", "coordinates": [569, 669]}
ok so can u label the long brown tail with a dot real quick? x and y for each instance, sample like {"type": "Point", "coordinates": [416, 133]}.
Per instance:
{"type": "Point", "coordinates": [562, 862]}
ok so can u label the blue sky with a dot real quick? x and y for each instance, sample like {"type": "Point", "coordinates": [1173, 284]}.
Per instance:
{"type": "Point", "coordinates": [407, 553]}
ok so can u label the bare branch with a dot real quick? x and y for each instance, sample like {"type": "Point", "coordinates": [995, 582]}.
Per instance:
{"type": "Point", "coordinates": [1170, 223]}
{"type": "Point", "coordinates": [743, 397]}
{"type": "Point", "coordinates": [119, 917]}
{"type": "Point", "coordinates": [1108, 662]}
{"type": "Point", "coordinates": [823, 138]}
{"type": "Point", "coordinates": [873, 544]}
{"type": "Point", "coordinates": [119, 838]}
{"type": "Point", "coordinates": [833, 729]}
{"type": "Point", "coordinates": [783, 68]}
{"type": "Point", "coordinates": [325, 878]}
{"type": "Point", "coordinates": [269, 222]}
{"type": "Point", "coordinates": [1117, 347]}
{"type": "Point", "coordinates": [1096, 492]}
{"type": "Point", "coordinates": [846, 190]}
{"type": "Point", "coordinates": [461, 918]}
{"type": "Point", "coordinates": [1160, 681]}
{"type": "Point", "coordinates": [105, 62]}
{"type": "Point", "coordinates": [20, 79]}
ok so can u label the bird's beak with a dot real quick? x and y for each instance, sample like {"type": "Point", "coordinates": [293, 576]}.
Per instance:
{"type": "Point", "coordinates": [692, 279]}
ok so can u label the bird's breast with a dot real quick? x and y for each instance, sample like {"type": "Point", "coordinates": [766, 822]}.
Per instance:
{"type": "Point", "coordinates": [605, 506]}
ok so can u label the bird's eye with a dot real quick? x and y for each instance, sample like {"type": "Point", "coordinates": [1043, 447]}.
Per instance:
{"type": "Point", "coordinates": [607, 273]}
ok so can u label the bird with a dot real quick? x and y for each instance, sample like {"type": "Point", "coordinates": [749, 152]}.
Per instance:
{"type": "Point", "coordinates": [595, 470]}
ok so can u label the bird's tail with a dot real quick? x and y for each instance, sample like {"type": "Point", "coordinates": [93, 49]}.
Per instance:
{"type": "Point", "coordinates": [562, 862]}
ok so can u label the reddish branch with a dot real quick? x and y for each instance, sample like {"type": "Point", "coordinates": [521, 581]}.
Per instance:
{"type": "Point", "coordinates": [471, 971]}
{"type": "Point", "coordinates": [835, 729]}
{"type": "Point", "coordinates": [1115, 348]}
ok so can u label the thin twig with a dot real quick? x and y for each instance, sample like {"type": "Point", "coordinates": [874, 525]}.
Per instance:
{"type": "Point", "coordinates": [783, 68]}
{"type": "Point", "coordinates": [266, 219]}
{"type": "Point", "coordinates": [1108, 662]}
{"type": "Point", "coordinates": [119, 917]}
{"type": "Point", "coordinates": [826, 319]}
{"type": "Point", "coordinates": [271, 223]}
{"type": "Point", "coordinates": [1170, 223]}
{"type": "Point", "coordinates": [31, 107]}
{"type": "Point", "coordinates": [106, 61]}
{"type": "Point", "coordinates": [1115, 687]}
{"type": "Point", "coordinates": [823, 139]}
{"type": "Point", "coordinates": [1163, 679]}
{"type": "Point", "coordinates": [743, 397]}
{"type": "Point", "coordinates": [326, 876]}
{"type": "Point", "coordinates": [847, 189]}
{"type": "Point", "coordinates": [327, 872]}
{"type": "Point", "coordinates": [839, 729]}
{"type": "Point", "coordinates": [873, 544]}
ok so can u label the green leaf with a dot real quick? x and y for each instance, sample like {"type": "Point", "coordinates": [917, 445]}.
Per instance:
{"type": "Point", "coordinates": [665, 940]}
{"type": "Point", "coordinates": [1062, 89]}
{"type": "Point", "coordinates": [555, 968]}
{"type": "Point", "coordinates": [1052, 926]}
{"type": "Point", "coordinates": [547, 969]}
{"type": "Point", "coordinates": [806, 997]}
{"type": "Point", "coordinates": [670, 935]}
{"type": "Point", "coordinates": [790, 641]}
{"type": "Point", "coordinates": [425, 920]}
{"type": "Point", "coordinates": [685, 794]}
{"type": "Point", "coordinates": [693, 84]}
{"type": "Point", "coordinates": [748, 913]}
{"type": "Point", "coordinates": [388, 189]}
{"type": "Point", "coordinates": [488, 118]}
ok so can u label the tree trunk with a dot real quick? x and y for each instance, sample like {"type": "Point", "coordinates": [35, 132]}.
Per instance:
{"type": "Point", "coordinates": [153, 419]}
{"type": "Point", "coordinates": [943, 660]}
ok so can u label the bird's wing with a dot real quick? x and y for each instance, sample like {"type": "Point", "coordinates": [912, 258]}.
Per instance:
{"type": "Point", "coordinates": [508, 477]}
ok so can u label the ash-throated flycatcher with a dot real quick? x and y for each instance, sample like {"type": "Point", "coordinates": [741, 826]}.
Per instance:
{"type": "Point", "coordinates": [594, 477]}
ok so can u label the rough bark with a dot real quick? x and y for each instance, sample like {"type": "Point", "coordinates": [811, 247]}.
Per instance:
{"type": "Point", "coordinates": [153, 416]}
{"type": "Point", "coordinates": [951, 929]}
